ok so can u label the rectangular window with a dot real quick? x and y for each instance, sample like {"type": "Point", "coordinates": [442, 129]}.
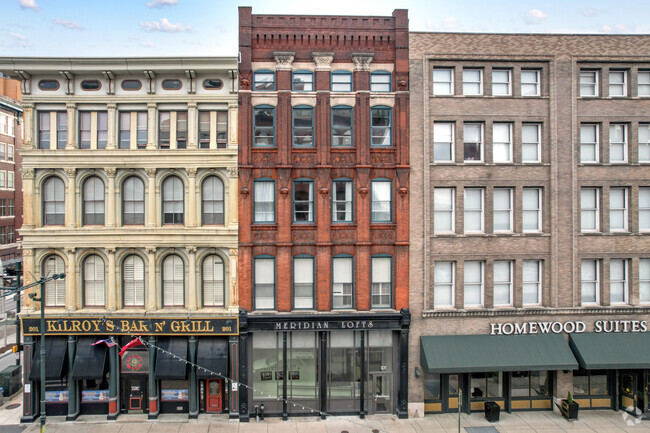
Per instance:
{"type": "Point", "coordinates": [443, 210]}
{"type": "Point", "coordinates": [501, 82]}
{"type": "Point", "coordinates": [222, 129]}
{"type": "Point", "coordinates": [472, 81]}
{"type": "Point", "coordinates": [473, 284]}
{"type": "Point", "coordinates": [473, 142]}
{"type": "Point", "coordinates": [303, 283]}
{"type": "Point", "coordinates": [618, 209]}
{"type": "Point", "coordinates": [644, 209]}
{"type": "Point", "coordinates": [502, 283]}
{"type": "Point", "coordinates": [264, 284]}
{"type": "Point", "coordinates": [204, 130]}
{"type": "Point", "coordinates": [3, 151]}
{"type": "Point", "coordinates": [443, 81]}
{"type": "Point", "coordinates": [473, 214]}
{"type": "Point", "coordinates": [164, 129]}
{"type": "Point", "coordinates": [617, 83]}
{"type": "Point", "coordinates": [444, 284]}
{"type": "Point", "coordinates": [11, 234]}
{"type": "Point", "coordinates": [3, 124]}
{"type": "Point", "coordinates": [44, 130]}
{"type": "Point", "coordinates": [589, 282]}
{"type": "Point", "coordinates": [532, 210]}
{"type": "Point", "coordinates": [618, 281]}
{"type": "Point", "coordinates": [125, 130]}
{"type": "Point", "coordinates": [644, 281]}
{"type": "Point", "coordinates": [303, 127]}
{"type": "Point", "coordinates": [263, 81]}
{"type": "Point", "coordinates": [342, 201]}
{"type": "Point", "coordinates": [381, 201]}
{"type": "Point", "coordinates": [503, 209]}
{"type": "Point", "coordinates": [617, 142]}
{"type": "Point", "coordinates": [589, 210]}
{"type": "Point", "coordinates": [341, 81]}
{"type": "Point", "coordinates": [381, 127]}
{"type": "Point", "coordinates": [10, 152]}
{"type": "Point", "coordinates": [264, 127]}
{"type": "Point", "coordinates": [530, 82]}
{"type": "Point", "coordinates": [3, 207]}
{"type": "Point", "coordinates": [3, 179]}
{"type": "Point", "coordinates": [588, 83]}
{"type": "Point", "coordinates": [141, 140]}
{"type": "Point", "coordinates": [644, 83]}
{"type": "Point", "coordinates": [342, 282]}
{"type": "Point", "coordinates": [10, 207]}
{"type": "Point", "coordinates": [588, 143]}
{"type": "Point", "coordinates": [382, 282]}
{"type": "Point", "coordinates": [181, 129]}
{"type": "Point", "coordinates": [380, 82]}
{"type": "Point", "coordinates": [303, 201]}
{"type": "Point", "coordinates": [443, 142]}
{"type": "Point", "coordinates": [102, 129]}
{"type": "Point", "coordinates": [61, 129]}
{"type": "Point", "coordinates": [84, 129]}
{"type": "Point", "coordinates": [502, 142]}
{"type": "Point", "coordinates": [303, 81]}
{"type": "Point", "coordinates": [10, 179]}
{"type": "Point", "coordinates": [264, 201]}
{"type": "Point", "coordinates": [532, 282]}
{"type": "Point", "coordinates": [644, 142]}
{"type": "Point", "coordinates": [342, 127]}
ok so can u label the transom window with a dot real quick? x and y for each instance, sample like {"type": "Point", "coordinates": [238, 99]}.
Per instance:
{"type": "Point", "coordinates": [93, 201]}
{"type": "Point", "coordinates": [264, 126]}
{"type": "Point", "coordinates": [133, 281]}
{"type": "Point", "coordinates": [264, 80]}
{"type": "Point", "coordinates": [380, 81]}
{"type": "Point", "coordinates": [54, 289]}
{"type": "Point", "coordinates": [303, 201]}
{"type": "Point", "coordinates": [303, 127]}
{"type": "Point", "coordinates": [173, 203]}
{"type": "Point", "coordinates": [381, 126]}
{"type": "Point", "coordinates": [342, 126]}
{"type": "Point", "coordinates": [341, 81]}
{"type": "Point", "coordinates": [53, 202]}
{"type": "Point", "coordinates": [213, 281]}
{"type": "Point", "coordinates": [93, 279]}
{"type": "Point", "coordinates": [303, 81]}
{"type": "Point", "coordinates": [133, 201]}
{"type": "Point", "coordinates": [173, 279]}
{"type": "Point", "coordinates": [212, 201]}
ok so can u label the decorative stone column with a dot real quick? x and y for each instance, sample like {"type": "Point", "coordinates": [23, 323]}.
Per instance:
{"type": "Point", "coordinates": [28, 197]}
{"type": "Point", "coordinates": [110, 209]}
{"type": "Point", "coordinates": [111, 125]}
{"type": "Point", "coordinates": [151, 208]}
{"type": "Point", "coordinates": [71, 109]}
{"type": "Point", "coordinates": [233, 110]}
{"type": "Point", "coordinates": [362, 61]}
{"type": "Point", "coordinates": [191, 202]}
{"type": "Point", "coordinates": [233, 188]}
{"type": "Point", "coordinates": [191, 120]}
{"type": "Point", "coordinates": [283, 60]}
{"type": "Point", "coordinates": [28, 271]}
{"type": "Point", "coordinates": [191, 287]}
{"type": "Point", "coordinates": [28, 126]}
{"type": "Point", "coordinates": [151, 303]}
{"type": "Point", "coordinates": [151, 126]}
{"type": "Point", "coordinates": [71, 299]}
{"type": "Point", "coordinates": [111, 292]}
{"type": "Point", "coordinates": [322, 61]}
{"type": "Point", "coordinates": [71, 202]}
{"type": "Point", "coordinates": [233, 301]}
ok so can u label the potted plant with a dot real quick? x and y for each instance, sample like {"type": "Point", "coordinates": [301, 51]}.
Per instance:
{"type": "Point", "coordinates": [569, 408]}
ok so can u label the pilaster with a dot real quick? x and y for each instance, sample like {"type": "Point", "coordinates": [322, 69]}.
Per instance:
{"type": "Point", "coordinates": [151, 301]}
{"type": "Point", "coordinates": [191, 214]}
{"type": "Point", "coordinates": [72, 301]}
{"type": "Point", "coordinates": [71, 109]}
{"type": "Point", "coordinates": [110, 210]}
{"type": "Point", "coordinates": [192, 298]}
{"type": "Point", "coordinates": [151, 190]}
{"type": "Point", "coordinates": [111, 125]}
{"type": "Point", "coordinates": [71, 202]}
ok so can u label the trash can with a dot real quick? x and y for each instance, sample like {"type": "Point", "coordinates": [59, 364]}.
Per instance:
{"type": "Point", "coordinates": [10, 380]}
{"type": "Point", "coordinates": [492, 411]}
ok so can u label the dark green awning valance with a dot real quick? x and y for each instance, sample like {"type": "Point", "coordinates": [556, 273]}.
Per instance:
{"type": "Point", "coordinates": [596, 351]}
{"type": "Point", "coordinates": [481, 353]}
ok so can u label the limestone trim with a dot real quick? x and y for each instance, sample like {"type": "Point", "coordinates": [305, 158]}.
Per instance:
{"type": "Point", "coordinates": [362, 61]}
{"type": "Point", "coordinates": [537, 312]}
{"type": "Point", "coordinates": [323, 60]}
{"type": "Point", "coordinates": [283, 60]}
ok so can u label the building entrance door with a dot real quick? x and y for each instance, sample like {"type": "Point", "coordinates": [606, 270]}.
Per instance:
{"type": "Point", "coordinates": [634, 392]}
{"type": "Point", "coordinates": [136, 395]}
{"type": "Point", "coordinates": [214, 395]}
{"type": "Point", "coordinates": [382, 391]}
{"type": "Point", "coordinates": [642, 392]}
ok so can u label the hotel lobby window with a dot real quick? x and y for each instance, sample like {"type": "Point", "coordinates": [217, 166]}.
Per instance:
{"type": "Point", "coordinates": [590, 382]}
{"type": "Point", "coordinates": [529, 384]}
{"type": "Point", "coordinates": [486, 385]}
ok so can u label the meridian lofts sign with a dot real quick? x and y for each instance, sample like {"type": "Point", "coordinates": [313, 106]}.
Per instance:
{"type": "Point", "coordinates": [568, 327]}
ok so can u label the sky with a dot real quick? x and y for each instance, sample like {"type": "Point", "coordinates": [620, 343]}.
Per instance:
{"type": "Point", "coordinates": [145, 28]}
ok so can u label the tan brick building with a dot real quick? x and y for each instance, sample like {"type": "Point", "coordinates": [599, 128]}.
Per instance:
{"type": "Point", "coordinates": [531, 154]}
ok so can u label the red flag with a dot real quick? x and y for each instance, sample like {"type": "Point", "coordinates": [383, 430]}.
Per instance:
{"type": "Point", "coordinates": [130, 344]}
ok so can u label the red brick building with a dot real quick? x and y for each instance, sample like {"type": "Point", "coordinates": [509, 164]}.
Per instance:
{"type": "Point", "coordinates": [324, 213]}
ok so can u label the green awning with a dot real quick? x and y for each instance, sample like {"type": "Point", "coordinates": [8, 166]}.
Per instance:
{"type": "Point", "coordinates": [595, 351]}
{"type": "Point", "coordinates": [481, 353]}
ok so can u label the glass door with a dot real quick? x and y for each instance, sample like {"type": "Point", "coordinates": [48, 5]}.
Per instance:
{"type": "Point", "coordinates": [382, 393]}
{"type": "Point", "coordinates": [628, 392]}
{"type": "Point", "coordinates": [642, 392]}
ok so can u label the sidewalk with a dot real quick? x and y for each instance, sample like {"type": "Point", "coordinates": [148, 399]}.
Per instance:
{"type": "Point", "coordinates": [601, 421]}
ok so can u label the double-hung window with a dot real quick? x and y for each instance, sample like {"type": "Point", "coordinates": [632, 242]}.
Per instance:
{"type": "Point", "coordinates": [54, 289]}
{"type": "Point", "coordinates": [382, 282]}
{"type": "Point", "coordinates": [618, 209]}
{"type": "Point", "coordinates": [644, 281]}
{"type": "Point", "coordinates": [341, 81]}
{"type": "Point", "coordinates": [44, 135]}
{"type": "Point", "coordinates": [618, 281]}
{"type": "Point", "coordinates": [166, 139]}
{"type": "Point", "coordinates": [303, 201]}
{"type": "Point", "coordinates": [264, 283]}
{"type": "Point", "coordinates": [263, 80]}
{"type": "Point", "coordinates": [532, 282]}
{"type": "Point", "coordinates": [501, 82]}
{"type": "Point", "coordinates": [588, 143]}
{"type": "Point", "coordinates": [589, 282]}
{"type": "Point", "coordinates": [588, 83]}
{"type": "Point", "coordinates": [644, 142]}
{"type": "Point", "coordinates": [381, 130]}
{"type": "Point", "coordinates": [264, 126]}
{"type": "Point", "coordinates": [342, 126]}
{"type": "Point", "coordinates": [94, 287]}
{"type": "Point", "coordinates": [84, 129]}
{"type": "Point", "coordinates": [617, 142]}
{"type": "Point", "coordinates": [532, 210]}
{"type": "Point", "coordinates": [473, 142]}
{"type": "Point", "coordinates": [93, 129]}
{"type": "Point", "coordinates": [443, 81]}
{"type": "Point", "coordinates": [617, 83]}
{"type": "Point", "coordinates": [381, 197]}
{"type": "Point", "coordinates": [125, 130]}
{"type": "Point", "coordinates": [264, 201]}
{"type": "Point", "coordinates": [380, 81]}
{"type": "Point", "coordinates": [473, 214]}
{"type": "Point", "coordinates": [502, 210]}
{"type": "Point", "coordinates": [502, 283]}
{"type": "Point", "coordinates": [643, 84]}
{"type": "Point", "coordinates": [133, 201]}
{"type": "Point", "coordinates": [589, 210]}
{"type": "Point", "coordinates": [530, 82]}
{"type": "Point", "coordinates": [531, 142]}
{"type": "Point", "coordinates": [303, 127]}
{"type": "Point", "coordinates": [443, 284]}
{"type": "Point", "coordinates": [53, 201]}
{"type": "Point", "coordinates": [212, 203]}
{"type": "Point", "coordinates": [212, 279]}
{"type": "Point", "coordinates": [342, 201]}
{"type": "Point", "coordinates": [342, 282]}
{"type": "Point", "coordinates": [133, 130]}
{"type": "Point", "coordinates": [93, 201]}
{"type": "Point", "coordinates": [502, 142]}
{"type": "Point", "coordinates": [303, 81]}
{"type": "Point", "coordinates": [303, 283]}
{"type": "Point", "coordinates": [443, 142]}
{"type": "Point", "coordinates": [644, 209]}
{"type": "Point", "coordinates": [173, 200]}
{"type": "Point", "coordinates": [443, 210]}
{"type": "Point", "coordinates": [473, 284]}
{"type": "Point", "coordinates": [173, 281]}
{"type": "Point", "coordinates": [472, 82]}
{"type": "Point", "coordinates": [133, 281]}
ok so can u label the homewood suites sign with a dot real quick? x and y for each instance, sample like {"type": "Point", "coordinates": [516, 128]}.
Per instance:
{"type": "Point", "coordinates": [569, 327]}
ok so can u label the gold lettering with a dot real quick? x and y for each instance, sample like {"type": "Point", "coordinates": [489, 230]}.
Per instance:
{"type": "Point", "coordinates": [109, 325]}
{"type": "Point", "coordinates": [208, 327]}
{"type": "Point", "coordinates": [125, 326]}
{"type": "Point", "coordinates": [96, 325]}
{"type": "Point", "coordinates": [76, 326]}
{"type": "Point", "coordinates": [85, 325]}
{"type": "Point", "coordinates": [186, 327]}
{"type": "Point", "coordinates": [175, 326]}
{"type": "Point", "coordinates": [51, 326]}
{"type": "Point", "coordinates": [143, 326]}
{"type": "Point", "coordinates": [159, 326]}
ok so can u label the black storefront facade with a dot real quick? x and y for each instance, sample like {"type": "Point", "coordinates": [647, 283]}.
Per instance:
{"type": "Point", "coordinates": [87, 378]}
{"type": "Point", "coordinates": [323, 363]}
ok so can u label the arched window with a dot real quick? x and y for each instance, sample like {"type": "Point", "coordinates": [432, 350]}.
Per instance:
{"type": "Point", "coordinates": [133, 201]}
{"type": "Point", "coordinates": [133, 281]}
{"type": "Point", "coordinates": [94, 285]}
{"type": "Point", "coordinates": [172, 201]}
{"type": "Point", "coordinates": [212, 200]}
{"type": "Point", "coordinates": [173, 279]}
{"type": "Point", "coordinates": [93, 201]}
{"type": "Point", "coordinates": [55, 289]}
{"type": "Point", "coordinates": [213, 276]}
{"type": "Point", "coordinates": [53, 202]}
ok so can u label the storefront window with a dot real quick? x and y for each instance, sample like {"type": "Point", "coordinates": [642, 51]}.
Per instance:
{"type": "Point", "coordinates": [94, 391]}
{"type": "Point", "coordinates": [267, 365]}
{"type": "Point", "coordinates": [539, 384]}
{"type": "Point", "coordinates": [302, 366]}
{"type": "Point", "coordinates": [486, 385]}
{"type": "Point", "coordinates": [529, 384]}
{"type": "Point", "coordinates": [453, 384]}
{"type": "Point", "coordinates": [344, 365]}
{"type": "Point", "coordinates": [174, 390]}
{"type": "Point", "coordinates": [380, 351]}
{"type": "Point", "coordinates": [432, 386]}
{"type": "Point", "coordinates": [590, 382]}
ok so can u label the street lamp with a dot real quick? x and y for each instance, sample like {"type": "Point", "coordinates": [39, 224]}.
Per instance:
{"type": "Point", "coordinates": [42, 282]}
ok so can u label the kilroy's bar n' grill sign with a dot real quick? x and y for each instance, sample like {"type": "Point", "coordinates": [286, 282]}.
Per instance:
{"type": "Point", "coordinates": [130, 326]}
